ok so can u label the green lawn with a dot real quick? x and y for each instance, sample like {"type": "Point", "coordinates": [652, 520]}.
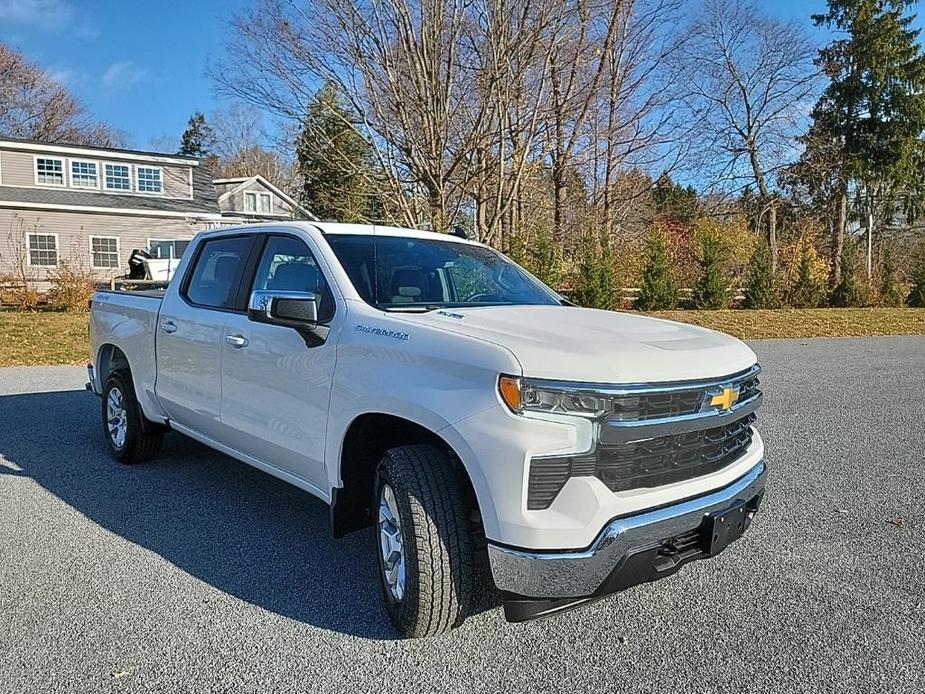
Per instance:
{"type": "Point", "coordinates": [45, 337]}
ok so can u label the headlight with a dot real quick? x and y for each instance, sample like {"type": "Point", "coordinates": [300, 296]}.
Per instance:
{"type": "Point", "coordinates": [522, 395]}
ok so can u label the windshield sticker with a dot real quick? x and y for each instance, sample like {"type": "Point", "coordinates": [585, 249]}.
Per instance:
{"type": "Point", "coordinates": [383, 332]}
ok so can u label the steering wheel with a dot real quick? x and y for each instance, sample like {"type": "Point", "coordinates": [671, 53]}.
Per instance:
{"type": "Point", "coordinates": [480, 297]}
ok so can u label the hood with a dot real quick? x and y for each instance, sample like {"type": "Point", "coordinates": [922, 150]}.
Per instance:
{"type": "Point", "coordinates": [580, 344]}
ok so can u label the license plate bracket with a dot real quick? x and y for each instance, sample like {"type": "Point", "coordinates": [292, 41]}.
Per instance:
{"type": "Point", "coordinates": [721, 528]}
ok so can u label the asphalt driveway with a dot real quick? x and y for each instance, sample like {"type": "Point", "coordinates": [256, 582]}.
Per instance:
{"type": "Point", "coordinates": [197, 573]}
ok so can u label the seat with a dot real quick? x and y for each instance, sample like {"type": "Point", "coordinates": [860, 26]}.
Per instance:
{"type": "Point", "coordinates": [408, 285]}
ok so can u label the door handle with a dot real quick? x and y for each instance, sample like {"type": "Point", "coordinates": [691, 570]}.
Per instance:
{"type": "Point", "coordinates": [168, 326]}
{"type": "Point", "coordinates": [237, 341]}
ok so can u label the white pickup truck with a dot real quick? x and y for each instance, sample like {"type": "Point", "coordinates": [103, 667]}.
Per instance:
{"type": "Point", "coordinates": [427, 386]}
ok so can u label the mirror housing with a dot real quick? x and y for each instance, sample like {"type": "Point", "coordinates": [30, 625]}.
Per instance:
{"type": "Point", "coordinates": [291, 309]}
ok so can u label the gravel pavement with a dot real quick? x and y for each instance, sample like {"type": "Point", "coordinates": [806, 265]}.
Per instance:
{"type": "Point", "coordinates": [199, 574]}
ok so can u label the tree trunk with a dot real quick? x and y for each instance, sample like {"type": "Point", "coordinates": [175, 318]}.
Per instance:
{"type": "Point", "coordinates": [772, 237]}
{"type": "Point", "coordinates": [838, 236]}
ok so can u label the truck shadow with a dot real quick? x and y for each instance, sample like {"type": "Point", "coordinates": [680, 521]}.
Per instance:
{"type": "Point", "coordinates": [240, 530]}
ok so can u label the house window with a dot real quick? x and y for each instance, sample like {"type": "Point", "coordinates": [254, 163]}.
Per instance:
{"type": "Point", "coordinates": [118, 177]}
{"type": "Point", "coordinates": [43, 250]}
{"type": "Point", "coordinates": [167, 248]}
{"type": "Point", "coordinates": [49, 172]}
{"type": "Point", "coordinates": [148, 180]}
{"type": "Point", "coordinates": [250, 202]}
{"type": "Point", "coordinates": [104, 252]}
{"type": "Point", "coordinates": [83, 174]}
{"type": "Point", "coordinates": [266, 203]}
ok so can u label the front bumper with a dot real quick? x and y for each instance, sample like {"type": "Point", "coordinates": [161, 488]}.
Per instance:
{"type": "Point", "coordinates": [628, 551]}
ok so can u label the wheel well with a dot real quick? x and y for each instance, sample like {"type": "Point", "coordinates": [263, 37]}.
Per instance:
{"type": "Point", "coordinates": [111, 358]}
{"type": "Point", "coordinates": [367, 439]}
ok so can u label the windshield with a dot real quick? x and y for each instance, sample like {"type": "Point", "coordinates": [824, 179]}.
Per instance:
{"type": "Point", "coordinates": [399, 273]}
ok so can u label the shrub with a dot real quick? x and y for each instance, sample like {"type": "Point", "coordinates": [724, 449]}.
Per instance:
{"type": "Point", "coordinates": [759, 280]}
{"type": "Point", "coordinates": [808, 289]}
{"type": "Point", "coordinates": [596, 285]}
{"type": "Point", "coordinates": [890, 294]}
{"type": "Point", "coordinates": [545, 262]}
{"type": "Point", "coordinates": [72, 285]}
{"type": "Point", "coordinates": [658, 291]}
{"type": "Point", "coordinates": [711, 290]}
{"type": "Point", "coordinates": [916, 297]}
{"type": "Point", "coordinates": [849, 292]}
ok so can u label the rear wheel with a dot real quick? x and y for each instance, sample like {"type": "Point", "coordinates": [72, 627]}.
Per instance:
{"type": "Point", "coordinates": [422, 541]}
{"type": "Point", "coordinates": [130, 437]}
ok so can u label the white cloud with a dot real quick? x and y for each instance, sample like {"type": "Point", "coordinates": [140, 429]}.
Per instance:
{"type": "Point", "coordinates": [123, 74]}
{"type": "Point", "coordinates": [41, 13]}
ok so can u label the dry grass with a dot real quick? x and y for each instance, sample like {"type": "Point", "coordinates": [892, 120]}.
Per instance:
{"type": "Point", "coordinates": [42, 337]}
{"type": "Point", "coordinates": [46, 337]}
{"type": "Point", "coordinates": [810, 322]}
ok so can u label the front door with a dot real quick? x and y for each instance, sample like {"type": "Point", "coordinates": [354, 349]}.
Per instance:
{"type": "Point", "coordinates": [275, 387]}
{"type": "Point", "coordinates": [190, 334]}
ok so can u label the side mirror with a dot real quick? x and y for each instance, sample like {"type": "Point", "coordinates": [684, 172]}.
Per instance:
{"type": "Point", "coordinates": [292, 309]}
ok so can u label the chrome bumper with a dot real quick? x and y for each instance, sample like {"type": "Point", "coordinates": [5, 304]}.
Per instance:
{"type": "Point", "coordinates": [582, 573]}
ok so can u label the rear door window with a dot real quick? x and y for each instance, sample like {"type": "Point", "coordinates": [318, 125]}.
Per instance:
{"type": "Point", "coordinates": [218, 270]}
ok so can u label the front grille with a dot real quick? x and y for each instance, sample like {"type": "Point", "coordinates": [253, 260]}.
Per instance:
{"type": "Point", "coordinates": [655, 460]}
{"type": "Point", "coordinates": [674, 404]}
{"type": "Point", "coordinates": [669, 459]}
{"type": "Point", "coordinates": [642, 464]}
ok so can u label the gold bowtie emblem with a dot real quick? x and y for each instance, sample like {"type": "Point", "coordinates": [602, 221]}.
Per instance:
{"type": "Point", "coordinates": [726, 399]}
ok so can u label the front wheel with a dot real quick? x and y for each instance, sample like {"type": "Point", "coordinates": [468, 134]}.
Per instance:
{"type": "Point", "coordinates": [423, 541]}
{"type": "Point", "coordinates": [130, 437]}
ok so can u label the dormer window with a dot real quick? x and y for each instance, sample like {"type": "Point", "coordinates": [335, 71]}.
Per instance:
{"type": "Point", "coordinates": [148, 179]}
{"type": "Point", "coordinates": [84, 174]}
{"type": "Point", "coordinates": [250, 202]}
{"type": "Point", "coordinates": [118, 177]}
{"type": "Point", "coordinates": [49, 172]}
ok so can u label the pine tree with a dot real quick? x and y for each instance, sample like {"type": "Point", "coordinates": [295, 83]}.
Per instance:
{"type": "Point", "coordinates": [711, 291]}
{"type": "Point", "coordinates": [849, 292]}
{"type": "Point", "coordinates": [890, 294]}
{"type": "Point", "coordinates": [759, 279]}
{"type": "Point", "coordinates": [658, 291]}
{"type": "Point", "coordinates": [335, 162]}
{"type": "Point", "coordinates": [916, 298]}
{"type": "Point", "coordinates": [868, 122]}
{"type": "Point", "coordinates": [545, 262]}
{"type": "Point", "coordinates": [196, 140]}
{"type": "Point", "coordinates": [595, 286]}
{"type": "Point", "coordinates": [807, 290]}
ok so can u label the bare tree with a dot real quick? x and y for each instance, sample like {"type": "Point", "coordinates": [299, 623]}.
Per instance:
{"type": "Point", "coordinates": [752, 83]}
{"type": "Point", "coordinates": [240, 146]}
{"type": "Point", "coordinates": [35, 107]}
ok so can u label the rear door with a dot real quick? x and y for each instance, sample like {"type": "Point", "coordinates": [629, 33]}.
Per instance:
{"type": "Point", "coordinates": [275, 386]}
{"type": "Point", "coordinates": [190, 333]}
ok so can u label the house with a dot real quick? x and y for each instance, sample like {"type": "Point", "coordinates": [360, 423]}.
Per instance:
{"type": "Point", "coordinates": [95, 205]}
{"type": "Point", "coordinates": [255, 199]}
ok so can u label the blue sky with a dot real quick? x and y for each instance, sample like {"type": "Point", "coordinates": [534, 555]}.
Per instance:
{"type": "Point", "coordinates": [140, 65]}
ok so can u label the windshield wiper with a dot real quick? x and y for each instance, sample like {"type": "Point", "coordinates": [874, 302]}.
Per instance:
{"type": "Point", "coordinates": [412, 308]}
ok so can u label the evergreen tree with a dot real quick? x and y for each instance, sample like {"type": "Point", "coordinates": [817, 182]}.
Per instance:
{"type": "Point", "coordinates": [674, 200]}
{"type": "Point", "coordinates": [916, 298]}
{"type": "Point", "coordinates": [196, 140]}
{"type": "Point", "coordinates": [849, 292]}
{"type": "Point", "coordinates": [759, 279]}
{"type": "Point", "coordinates": [545, 262]}
{"type": "Point", "coordinates": [658, 291]}
{"type": "Point", "coordinates": [335, 162]}
{"type": "Point", "coordinates": [595, 286]}
{"type": "Point", "coordinates": [807, 290]}
{"type": "Point", "coordinates": [868, 122]}
{"type": "Point", "coordinates": [711, 291]}
{"type": "Point", "coordinates": [890, 294]}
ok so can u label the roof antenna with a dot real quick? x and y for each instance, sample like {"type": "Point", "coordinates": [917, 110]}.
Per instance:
{"type": "Point", "coordinates": [460, 232]}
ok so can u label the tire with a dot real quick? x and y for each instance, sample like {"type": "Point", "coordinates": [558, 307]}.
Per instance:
{"type": "Point", "coordinates": [133, 439]}
{"type": "Point", "coordinates": [435, 541]}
